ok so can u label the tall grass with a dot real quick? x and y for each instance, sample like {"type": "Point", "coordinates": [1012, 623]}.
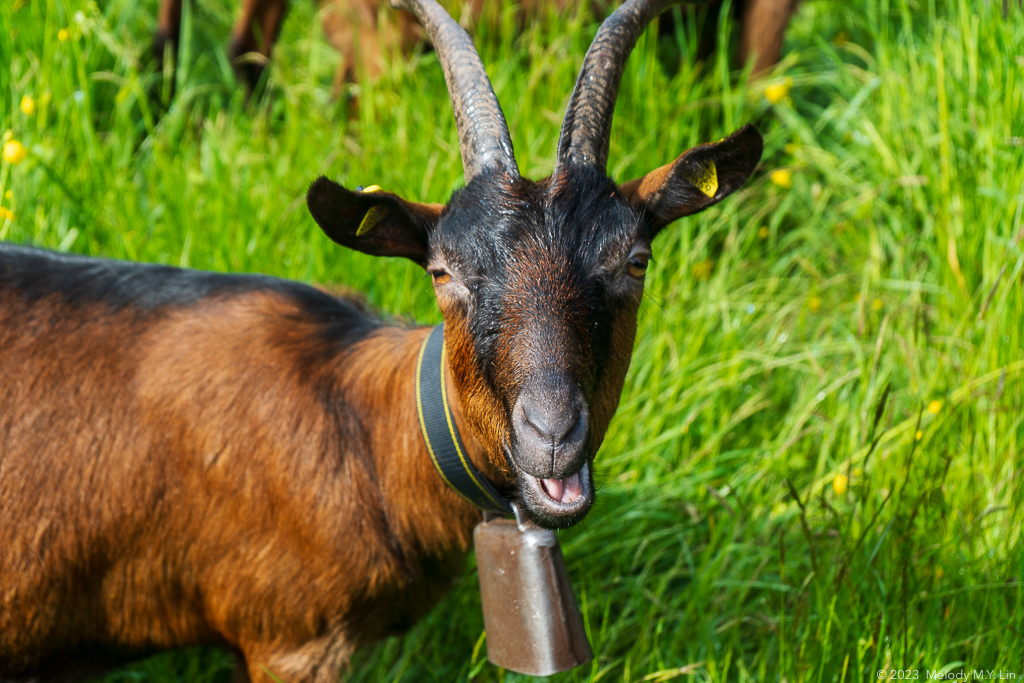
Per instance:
{"type": "Point", "coordinates": [815, 471]}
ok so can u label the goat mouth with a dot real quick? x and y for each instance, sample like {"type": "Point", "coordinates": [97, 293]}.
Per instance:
{"type": "Point", "coordinates": [563, 491]}
{"type": "Point", "coordinates": [557, 503]}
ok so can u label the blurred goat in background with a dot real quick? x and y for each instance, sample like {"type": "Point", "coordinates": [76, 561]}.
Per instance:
{"type": "Point", "coordinates": [364, 32]}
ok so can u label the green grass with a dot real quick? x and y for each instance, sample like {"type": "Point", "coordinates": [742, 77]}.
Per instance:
{"type": "Point", "coordinates": [789, 335]}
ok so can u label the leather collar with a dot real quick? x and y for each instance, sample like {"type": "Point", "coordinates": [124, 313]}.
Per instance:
{"type": "Point", "coordinates": [442, 436]}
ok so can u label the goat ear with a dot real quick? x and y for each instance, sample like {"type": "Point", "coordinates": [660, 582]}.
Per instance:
{"type": "Point", "coordinates": [700, 177]}
{"type": "Point", "coordinates": [376, 223]}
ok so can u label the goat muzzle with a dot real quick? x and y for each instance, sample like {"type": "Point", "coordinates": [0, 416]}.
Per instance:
{"type": "Point", "coordinates": [550, 423]}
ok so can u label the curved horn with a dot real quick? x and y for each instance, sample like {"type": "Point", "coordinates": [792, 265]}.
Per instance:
{"type": "Point", "coordinates": [588, 118]}
{"type": "Point", "coordinates": [483, 134]}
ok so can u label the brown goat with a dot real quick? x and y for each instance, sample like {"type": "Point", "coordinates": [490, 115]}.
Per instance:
{"type": "Point", "coordinates": [351, 26]}
{"type": "Point", "coordinates": [361, 26]}
{"type": "Point", "coordinates": [198, 458]}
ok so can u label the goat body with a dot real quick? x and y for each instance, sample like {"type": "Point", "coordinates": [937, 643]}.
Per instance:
{"type": "Point", "coordinates": [197, 458]}
{"type": "Point", "coordinates": [190, 458]}
{"type": "Point", "coordinates": [364, 35]}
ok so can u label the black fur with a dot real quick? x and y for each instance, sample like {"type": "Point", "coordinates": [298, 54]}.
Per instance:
{"type": "Point", "coordinates": [576, 231]}
{"type": "Point", "coordinates": [80, 280]}
{"type": "Point", "coordinates": [147, 289]}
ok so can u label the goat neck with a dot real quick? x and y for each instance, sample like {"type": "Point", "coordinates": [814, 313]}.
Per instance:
{"type": "Point", "coordinates": [426, 512]}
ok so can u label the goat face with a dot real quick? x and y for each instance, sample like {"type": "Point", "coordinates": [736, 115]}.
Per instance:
{"type": "Point", "coordinates": [539, 285]}
{"type": "Point", "coordinates": [540, 311]}
{"type": "Point", "coordinates": [539, 282]}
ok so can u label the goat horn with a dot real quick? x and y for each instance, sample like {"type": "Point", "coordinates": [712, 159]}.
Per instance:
{"type": "Point", "coordinates": [588, 118]}
{"type": "Point", "coordinates": [483, 134]}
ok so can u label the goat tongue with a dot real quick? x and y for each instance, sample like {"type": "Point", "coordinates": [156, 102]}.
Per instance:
{"type": "Point", "coordinates": [562, 490]}
{"type": "Point", "coordinates": [552, 487]}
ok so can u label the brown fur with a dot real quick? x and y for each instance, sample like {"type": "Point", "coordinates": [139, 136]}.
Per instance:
{"type": "Point", "coordinates": [643, 189]}
{"type": "Point", "coordinates": [763, 25]}
{"type": "Point", "coordinates": [366, 32]}
{"type": "Point", "coordinates": [482, 406]}
{"type": "Point", "coordinates": [608, 390]}
{"type": "Point", "coordinates": [190, 458]}
{"type": "Point", "coordinates": [177, 479]}
{"type": "Point", "coordinates": [355, 26]}
{"type": "Point", "coordinates": [254, 35]}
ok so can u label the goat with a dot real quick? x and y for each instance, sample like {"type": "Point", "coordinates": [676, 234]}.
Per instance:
{"type": "Point", "coordinates": [354, 26]}
{"type": "Point", "coordinates": [236, 460]}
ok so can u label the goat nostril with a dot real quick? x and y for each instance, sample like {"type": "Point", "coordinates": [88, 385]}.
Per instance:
{"type": "Point", "coordinates": [534, 420]}
{"type": "Point", "coordinates": [573, 423]}
{"type": "Point", "coordinates": [551, 426]}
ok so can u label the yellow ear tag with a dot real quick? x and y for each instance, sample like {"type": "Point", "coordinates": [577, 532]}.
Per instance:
{"type": "Point", "coordinates": [371, 219]}
{"type": "Point", "coordinates": [705, 179]}
{"type": "Point", "coordinates": [371, 188]}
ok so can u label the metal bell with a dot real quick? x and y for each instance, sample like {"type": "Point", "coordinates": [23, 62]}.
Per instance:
{"type": "Point", "coordinates": [533, 624]}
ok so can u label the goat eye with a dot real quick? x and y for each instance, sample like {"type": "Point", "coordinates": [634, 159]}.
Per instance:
{"type": "Point", "coordinates": [637, 266]}
{"type": "Point", "coordinates": [441, 277]}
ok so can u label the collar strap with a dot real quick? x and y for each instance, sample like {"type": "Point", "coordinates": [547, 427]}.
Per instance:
{"type": "Point", "coordinates": [442, 436]}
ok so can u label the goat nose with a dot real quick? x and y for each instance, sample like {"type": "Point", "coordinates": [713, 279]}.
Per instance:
{"type": "Point", "coordinates": [550, 425]}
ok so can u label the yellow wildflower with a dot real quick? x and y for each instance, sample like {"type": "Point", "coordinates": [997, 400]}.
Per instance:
{"type": "Point", "coordinates": [839, 484]}
{"type": "Point", "coordinates": [790, 148]}
{"type": "Point", "coordinates": [28, 105]}
{"type": "Point", "coordinates": [877, 304]}
{"type": "Point", "coordinates": [782, 178]}
{"type": "Point", "coordinates": [14, 152]}
{"type": "Point", "coordinates": [918, 435]}
{"type": "Point", "coordinates": [63, 35]}
{"type": "Point", "coordinates": [763, 232]}
{"type": "Point", "coordinates": [702, 271]}
{"type": "Point", "coordinates": [934, 407]}
{"type": "Point", "coordinates": [814, 303]}
{"type": "Point", "coordinates": [6, 213]}
{"type": "Point", "coordinates": [776, 92]}
{"type": "Point", "coordinates": [9, 195]}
